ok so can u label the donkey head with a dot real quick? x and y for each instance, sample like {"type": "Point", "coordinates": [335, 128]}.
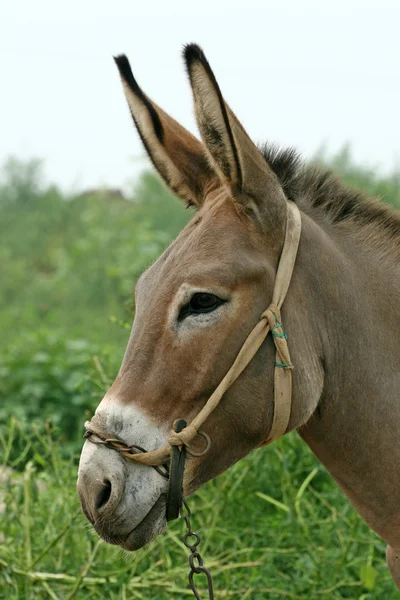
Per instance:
{"type": "Point", "coordinates": [195, 306]}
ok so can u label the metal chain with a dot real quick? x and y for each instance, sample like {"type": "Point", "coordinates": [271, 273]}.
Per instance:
{"type": "Point", "coordinates": [123, 448]}
{"type": "Point", "coordinates": [191, 539]}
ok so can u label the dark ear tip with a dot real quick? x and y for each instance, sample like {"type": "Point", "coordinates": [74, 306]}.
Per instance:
{"type": "Point", "coordinates": [125, 71]}
{"type": "Point", "coordinates": [121, 60]}
{"type": "Point", "coordinates": [193, 52]}
{"type": "Point", "coordinates": [124, 67]}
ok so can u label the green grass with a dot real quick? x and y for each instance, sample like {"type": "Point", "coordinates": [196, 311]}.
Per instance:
{"type": "Point", "coordinates": [274, 526]}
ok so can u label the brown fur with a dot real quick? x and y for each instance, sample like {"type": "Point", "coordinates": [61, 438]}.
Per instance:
{"type": "Point", "coordinates": [341, 311]}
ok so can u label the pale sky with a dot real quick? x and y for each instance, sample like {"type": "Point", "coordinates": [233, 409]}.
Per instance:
{"type": "Point", "coordinates": [296, 72]}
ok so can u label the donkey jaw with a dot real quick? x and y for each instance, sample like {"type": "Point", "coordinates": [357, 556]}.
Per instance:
{"type": "Point", "coordinates": [153, 524]}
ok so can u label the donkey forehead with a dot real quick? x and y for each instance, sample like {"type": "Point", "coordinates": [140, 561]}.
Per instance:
{"type": "Point", "coordinates": [215, 249]}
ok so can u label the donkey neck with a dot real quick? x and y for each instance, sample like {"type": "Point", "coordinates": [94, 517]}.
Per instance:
{"type": "Point", "coordinates": [353, 299]}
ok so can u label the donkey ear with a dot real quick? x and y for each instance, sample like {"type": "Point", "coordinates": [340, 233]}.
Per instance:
{"type": "Point", "coordinates": [236, 158]}
{"type": "Point", "coordinates": [177, 155]}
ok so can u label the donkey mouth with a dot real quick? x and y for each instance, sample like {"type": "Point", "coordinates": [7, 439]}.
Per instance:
{"type": "Point", "coordinates": [149, 528]}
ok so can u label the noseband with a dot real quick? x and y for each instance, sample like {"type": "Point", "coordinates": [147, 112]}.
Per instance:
{"type": "Point", "coordinates": [169, 461]}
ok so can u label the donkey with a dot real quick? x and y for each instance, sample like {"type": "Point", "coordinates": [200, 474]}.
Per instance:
{"type": "Point", "coordinates": [196, 305]}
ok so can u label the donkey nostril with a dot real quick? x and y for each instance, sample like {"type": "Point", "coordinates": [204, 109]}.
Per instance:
{"type": "Point", "coordinates": [104, 494]}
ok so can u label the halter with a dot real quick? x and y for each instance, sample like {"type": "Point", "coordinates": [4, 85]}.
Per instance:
{"type": "Point", "coordinates": [169, 460]}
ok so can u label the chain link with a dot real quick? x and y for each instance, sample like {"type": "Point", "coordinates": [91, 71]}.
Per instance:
{"type": "Point", "coordinates": [123, 448]}
{"type": "Point", "coordinates": [191, 539]}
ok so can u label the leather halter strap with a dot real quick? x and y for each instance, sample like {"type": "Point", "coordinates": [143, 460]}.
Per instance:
{"type": "Point", "coordinates": [270, 320]}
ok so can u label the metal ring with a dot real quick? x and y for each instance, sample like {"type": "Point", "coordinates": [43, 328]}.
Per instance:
{"type": "Point", "coordinates": [197, 454]}
{"type": "Point", "coordinates": [196, 556]}
{"type": "Point", "coordinates": [186, 540]}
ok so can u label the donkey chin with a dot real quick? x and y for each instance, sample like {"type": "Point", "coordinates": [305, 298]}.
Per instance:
{"type": "Point", "coordinates": [153, 524]}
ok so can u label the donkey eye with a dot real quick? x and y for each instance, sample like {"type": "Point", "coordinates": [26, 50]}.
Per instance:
{"type": "Point", "coordinates": [200, 303]}
{"type": "Point", "coordinates": [204, 302]}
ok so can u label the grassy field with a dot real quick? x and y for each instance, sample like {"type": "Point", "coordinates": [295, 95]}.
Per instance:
{"type": "Point", "coordinates": [274, 526]}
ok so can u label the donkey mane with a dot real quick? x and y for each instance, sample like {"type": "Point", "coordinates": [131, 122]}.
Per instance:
{"type": "Point", "coordinates": [317, 187]}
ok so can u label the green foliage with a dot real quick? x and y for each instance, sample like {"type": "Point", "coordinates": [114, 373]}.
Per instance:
{"type": "Point", "coordinates": [52, 379]}
{"type": "Point", "coordinates": [169, 216]}
{"type": "Point", "coordinates": [307, 543]}
{"type": "Point", "coordinates": [275, 526]}
{"type": "Point", "coordinates": [20, 182]}
{"type": "Point", "coordinates": [375, 184]}
{"type": "Point", "coordinates": [70, 263]}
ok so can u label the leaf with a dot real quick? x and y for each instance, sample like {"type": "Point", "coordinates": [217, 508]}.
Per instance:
{"type": "Point", "coordinates": [368, 576]}
{"type": "Point", "coordinates": [273, 501]}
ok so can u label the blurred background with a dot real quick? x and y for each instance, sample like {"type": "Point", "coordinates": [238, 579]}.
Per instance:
{"type": "Point", "coordinates": [82, 215]}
